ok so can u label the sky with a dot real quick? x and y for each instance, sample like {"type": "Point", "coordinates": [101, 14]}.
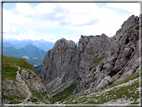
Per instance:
{"type": "Point", "coordinates": [53, 21]}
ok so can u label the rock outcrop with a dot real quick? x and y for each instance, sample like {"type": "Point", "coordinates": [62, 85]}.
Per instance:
{"type": "Point", "coordinates": [90, 47]}
{"type": "Point", "coordinates": [97, 61]}
{"type": "Point", "coordinates": [121, 59]}
{"type": "Point", "coordinates": [60, 64]}
{"type": "Point", "coordinates": [23, 84]}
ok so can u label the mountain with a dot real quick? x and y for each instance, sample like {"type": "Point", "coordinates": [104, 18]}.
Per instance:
{"type": "Point", "coordinates": [41, 44]}
{"type": "Point", "coordinates": [38, 68]}
{"type": "Point", "coordinates": [97, 63]}
{"type": "Point", "coordinates": [8, 44]}
{"type": "Point", "coordinates": [59, 65]}
{"type": "Point", "coordinates": [22, 84]}
{"type": "Point", "coordinates": [30, 53]}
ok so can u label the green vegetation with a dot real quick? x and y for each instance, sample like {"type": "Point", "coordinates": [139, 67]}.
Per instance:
{"type": "Point", "coordinates": [64, 94]}
{"type": "Point", "coordinates": [26, 53]}
{"type": "Point", "coordinates": [120, 37]}
{"type": "Point", "coordinates": [97, 35]}
{"type": "Point", "coordinates": [96, 61]}
{"type": "Point", "coordinates": [24, 64]}
{"type": "Point", "coordinates": [132, 49]}
{"type": "Point", "coordinates": [9, 72]}
{"type": "Point", "coordinates": [131, 27]}
{"type": "Point", "coordinates": [40, 97]}
{"type": "Point", "coordinates": [9, 69]}
{"type": "Point", "coordinates": [12, 98]}
{"type": "Point", "coordinates": [100, 97]}
{"type": "Point", "coordinates": [123, 81]}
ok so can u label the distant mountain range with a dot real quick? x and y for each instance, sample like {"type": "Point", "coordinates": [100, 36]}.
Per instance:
{"type": "Point", "coordinates": [30, 53]}
{"type": "Point", "coordinates": [41, 44]}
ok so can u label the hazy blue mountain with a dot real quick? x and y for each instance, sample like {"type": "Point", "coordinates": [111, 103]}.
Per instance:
{"type": "Point", "coordinates": [8, 44]}
{"type": "Point", "coordinates": [30, 53]}
{"type": "Point", "coordinates": [45, 45]}
{"type": "Point", "coordinates": [33, 51]}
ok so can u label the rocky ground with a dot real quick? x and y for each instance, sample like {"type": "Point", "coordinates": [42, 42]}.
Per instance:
{"type": "Point", "coordinates": [125, 92]}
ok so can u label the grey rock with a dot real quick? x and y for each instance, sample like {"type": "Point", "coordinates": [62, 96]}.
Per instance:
{"type": "Point", "coordinates": [93, 46]}
{"type": "Point", "coordinates": [105, 82]}
{"type": "Point", "coordinates": [27, 83]}
{"type": "Point", "coordinates": [60, 63]}
{"type": "Point", "coordinates": [97, 61]}
{"type": "Point", "coordinates": [121, 58]}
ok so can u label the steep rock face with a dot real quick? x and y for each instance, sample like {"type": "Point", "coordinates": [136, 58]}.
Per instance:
{"type": "Point", "coordinates": [89, 47]}
{"type": "Point", "coordinates": [60, 63]}
{"type": "Point", "coordinates": [120, 61]}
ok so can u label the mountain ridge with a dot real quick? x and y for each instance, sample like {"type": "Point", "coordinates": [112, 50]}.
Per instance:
{"type": "Point", "coordinates": [100, 60]}
{"type": "Point", "coordinates": [30, 53]}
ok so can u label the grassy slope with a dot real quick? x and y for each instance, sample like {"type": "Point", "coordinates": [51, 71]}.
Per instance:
{"type": "Point", "coordinates": [9, 69]}
{"type": "Point", "coordinates": [29, 51]}
{"type": "Point", "coordinates": [64, 94]}
{"type": "Point", "coordinates": [9, 72]}
{"type": "Point", "coordinates": [116, 93]}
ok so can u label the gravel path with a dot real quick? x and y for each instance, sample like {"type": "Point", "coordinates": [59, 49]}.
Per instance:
{"type": "Point", "coordinates": [18, 78]}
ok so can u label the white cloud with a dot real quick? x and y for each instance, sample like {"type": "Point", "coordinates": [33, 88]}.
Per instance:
{"type": "Point", "coordinates": [31, 34]}
{"type": "Point", "coordinates": [44, 8]}
{"type": "Point", "coordinates": [74, 38]}
{"type": "Point", "coordinates": [87, 18]}
{"type": "Point", "coordinates": [23, 8]}
{"type": "Point", "coordinates": [11, 21]}
{"type": "Point", "coordinates": [130, 7]}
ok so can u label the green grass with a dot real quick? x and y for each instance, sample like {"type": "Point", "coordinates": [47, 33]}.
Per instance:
{"type": "Point", "coordinates": [39, 96]}
{"type": "Point", "coordinates": [9, 72]}
{"type": "Point", "coordinates": [9, 69]}
{"type": "Point", "coordinates": [23, 63]}
{"type": "Point", "coordinates": [11, 99]}
{"type": "Point", "coordinates": [96, 61]}
{"type": "Point", "coordinates": [129, 91]}
{"type": "Point", "coordinates": [131, 27]}
{"type": "Point", "coordinates": [123, 81]}
{"type": "Point", "coordinates": [111, 95]}
{"type": "Point", "coordinates": [132, 49]}
{"type": "Point", "coordinates": [64, 94]}
{"type": "Point", "coordinates": [97, 35]}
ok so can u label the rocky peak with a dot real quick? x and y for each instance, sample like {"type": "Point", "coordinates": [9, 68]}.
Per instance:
{"type": "Point", "coordinates": [60, 63]}
{"type": "Point", "coordinates": [128, 24]}
{"type": "Point", "coordinates": [130, 21]}
{"type": "Point", "coordinates": [89, 47]}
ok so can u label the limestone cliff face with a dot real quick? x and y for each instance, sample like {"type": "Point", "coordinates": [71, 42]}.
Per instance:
{"type": "Point", "coordinates": [89, 47]}
{"type": "Point", "coordinates": [60, 63]}
{"type": "Point", "coordinates": [120, 61]}
{"type": "Point", "coordinates": [97, 61]}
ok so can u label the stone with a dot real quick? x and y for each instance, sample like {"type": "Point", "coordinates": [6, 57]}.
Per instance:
{"type": "Point", "coordinates": [97, 61]}
{"type": "Point", "coordinates": [60, 63]}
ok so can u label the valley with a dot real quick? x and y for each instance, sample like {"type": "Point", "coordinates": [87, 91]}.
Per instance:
{"type": "Point", "coordinates": [30, 53]}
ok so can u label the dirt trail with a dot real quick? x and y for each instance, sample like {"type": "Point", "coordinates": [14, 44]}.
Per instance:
{"type": "Point", "coordinates": [18, 78]}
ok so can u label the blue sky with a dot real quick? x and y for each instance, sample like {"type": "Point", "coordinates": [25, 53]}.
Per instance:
{"type": "Point", "coordinates": [53, 21]}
